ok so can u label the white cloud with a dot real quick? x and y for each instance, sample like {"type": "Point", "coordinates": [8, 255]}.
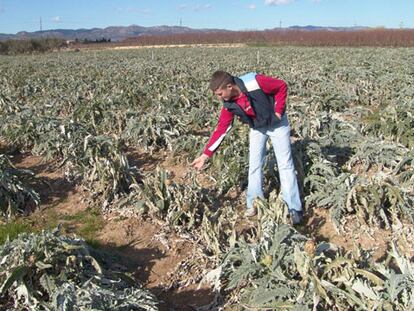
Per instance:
{"type": "Point", "coordinates": [133, 10]}
{"type": "Point", "coordinates": [202, 7]}
{"type": "Point", "coordinates": [196, 8]}
{"type": "Point", "coordinates": [139, 11]}
{"type": "Point", "coordinates": [251, 6]}
{"type": "Point", "coordinates": [56, 19]}
{"type": "Point", "coordinates": [278, 2]}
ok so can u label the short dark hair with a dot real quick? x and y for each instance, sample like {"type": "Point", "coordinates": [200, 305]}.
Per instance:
{"type": "Point", "coordinates": [220, 79]}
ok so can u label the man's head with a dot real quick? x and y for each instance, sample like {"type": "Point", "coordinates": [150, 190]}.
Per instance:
{"type": "Point", "coordinates": [223, 85]}
{"type": "Point", "coordinates": [220, 79]}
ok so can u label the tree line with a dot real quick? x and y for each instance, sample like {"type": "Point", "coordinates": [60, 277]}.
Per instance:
{"type": "Point", "coordinates": [366, 37]}
{"type": "Point", "coordinates": [27, 46]}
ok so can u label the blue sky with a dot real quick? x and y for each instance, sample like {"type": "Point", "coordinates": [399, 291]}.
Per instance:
{"type": "Point", "coordinates": [18, 15]}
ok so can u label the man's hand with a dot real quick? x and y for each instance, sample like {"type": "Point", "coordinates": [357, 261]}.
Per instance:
{"type": "Point", "coordinates": [198, 163]}
{"type": "Point", "coordinates": [278, 115]}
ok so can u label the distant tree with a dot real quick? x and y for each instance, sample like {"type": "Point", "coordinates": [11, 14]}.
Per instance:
{"type": "Point", "coordinates": [101, 40]}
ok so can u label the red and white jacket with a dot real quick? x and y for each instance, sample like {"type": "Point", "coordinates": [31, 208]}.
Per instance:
{"type": "Point", "coordinates": [269, 85]}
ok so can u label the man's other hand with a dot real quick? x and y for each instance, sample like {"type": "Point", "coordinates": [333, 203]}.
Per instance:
{"type": "Point", "coordinates": [198, 163]}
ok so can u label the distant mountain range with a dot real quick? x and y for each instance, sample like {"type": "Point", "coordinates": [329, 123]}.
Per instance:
{"type": "Point", "coordinates": [115, 33]}
{"type": "Point", "coordinates": [119, 33]}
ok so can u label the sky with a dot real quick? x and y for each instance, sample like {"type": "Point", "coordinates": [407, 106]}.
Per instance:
{"type": "Point", "coordinates": [31, 15]}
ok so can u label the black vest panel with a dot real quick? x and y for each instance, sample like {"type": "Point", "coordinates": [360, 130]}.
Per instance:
{"type": "Point", "coordinates": [263, 105]}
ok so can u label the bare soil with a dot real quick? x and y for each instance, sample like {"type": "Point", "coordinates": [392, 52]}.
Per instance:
{"type": "Point", "coordinates": [319, 225]}
{"type": "Point", "coordinates": [55, 191]}
{"type": "Point", "coordinates": [153, 259]}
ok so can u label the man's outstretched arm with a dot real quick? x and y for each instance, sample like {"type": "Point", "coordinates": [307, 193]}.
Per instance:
{"type": "Point", "coordinates": [223, 127]}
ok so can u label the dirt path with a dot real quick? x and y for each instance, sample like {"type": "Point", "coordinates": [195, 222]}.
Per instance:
{"type": "Point", "coordinates": [55, 191]}
{"type": "Point", "coordinates": [156, 261]}
{"type": "Point", "coordinates": [101, 47]}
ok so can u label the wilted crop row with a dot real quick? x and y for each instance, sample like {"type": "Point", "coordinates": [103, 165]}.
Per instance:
{"type": "Point", "coordinates": [98, 160]}
{"type": "Point", "coordinates": [16, 192]}
{"type": "Point", "coordinates": [285, 270]}
{"type": "Point", "coordinates": [48, 271]}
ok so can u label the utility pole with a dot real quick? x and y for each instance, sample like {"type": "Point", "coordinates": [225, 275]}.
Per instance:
{"type": "Point", "coordinates": [181, 22]}
{"type": "Point", "coordinates": [280, 24]}
{"type": "Point", "coordinates": [41, 26]}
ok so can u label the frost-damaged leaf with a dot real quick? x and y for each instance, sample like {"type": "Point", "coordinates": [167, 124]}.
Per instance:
{"type": "Point", "coordinates": [404, 264]}
{"type": "Point", "coordinates": [64, 298]}
{"type": "Point", "coordinates": [265, 297]}
{"type": "Point", "coordinates": [279, 305]}
{"type": "Point", "coordinates": [212, 278]}
{"type": "Point", "coordinates": [364, 289]}
{"type": "Point", "coordinates": [22, 291]}
{"type": "Point", "coordinates": [16, 275]}
{"type": "Point", "coordinates": [48, 283]}
{"type": "Point", "coordinates": [95, 264]}
{"type": "Point", "coordinates": [335, 290]}
{"type": "Point", "coordinates": [41, 265]}
{"type": "Point", "coordinates": [370, 276]}
{"type": "Point", "coordinates": [395, 285]}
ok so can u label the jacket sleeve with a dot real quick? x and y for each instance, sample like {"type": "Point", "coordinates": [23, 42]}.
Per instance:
{"type": "Point", "coordinates": [223, 127]}
{"type": "Point", "coordinates": [276, 87]}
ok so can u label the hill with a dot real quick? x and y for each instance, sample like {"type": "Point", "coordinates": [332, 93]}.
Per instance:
{"type": "Point", "coordinates": [115, 33]}
{"type": "Point", "coordinates": [119, 33]}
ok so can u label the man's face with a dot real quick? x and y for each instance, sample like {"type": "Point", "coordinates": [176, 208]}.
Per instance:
{"type": "Point", "coordinates": [225, 93]}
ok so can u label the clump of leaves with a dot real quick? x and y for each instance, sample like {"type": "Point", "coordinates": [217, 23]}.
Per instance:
{"type": "Point", "coordinates": [48, 271]}
{"type": "Point", "coordinates": [187, 147]}
{"type": "Point", "coordinates": [98, 160]}
{"type": "Point", "coordinates": [154, 131]}
{"type": "Point", "coordinates": [180, 205]}
{"type": "Point", "coordinates": [218, 229]}
{"type": "Point", "coordinates": [231, 162]}
{"type": "Point", "coordinates": [286, 270]}
{"type": "Point", "coordinates": [16, 195]}
{"type": "Point", "coordinates": [381, 199]}
{"type": "Point", "coordinates": [105, 167]}
{"type": "Point", "coordinates": [372, 151]}
{"type": "Point", "coordinates": [395, 122]}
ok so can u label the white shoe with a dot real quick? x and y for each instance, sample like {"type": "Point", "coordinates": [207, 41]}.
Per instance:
{"type": "Point", "coordinates": [250, 212]}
